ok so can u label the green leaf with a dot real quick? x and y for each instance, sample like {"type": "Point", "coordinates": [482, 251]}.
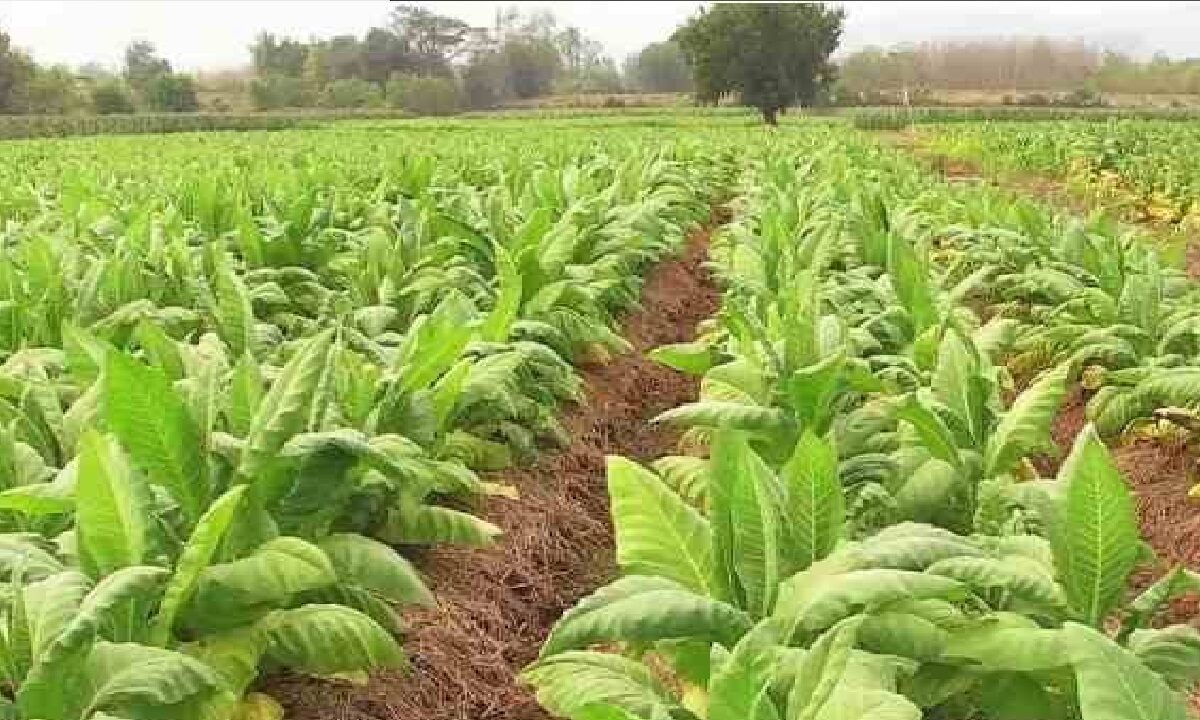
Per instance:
{"type": "Point", "coordinates": [694, 358]}
{"type": "Point", "coordinates": [998, 646]}
{"type": "Point", "coordinates": [245, 395]}
{"type": "Point", "coordinates": [435, 344]}
{"type": "Point", "coordinates": [638, 609]}
{"type": "Point", "coordinates": [739, 687]}
{"type": "Point", "coordinates": [155, 428]}
{"type": "Point", "coordinates": [1025, 427]}
{"type": "Point", "coordinates": [111, 514]}
{"type": "Point", "coordinates": [372, 565]}
{"type": "Point", "coordinates": [1113, 684]}
{"type": "Point", "coordinates": [725, 414]}
{"type": "Point", "coordinates": [415, 524]}
{"type": "Point", "coordinates": [745, 503]}
{"type": "Point", "coordinates": [571, 681]}
{"type": "Point", "coordinates": [1096, 542]}
{"type": "Point", "coordinates": [822, 669]}
{"type": "Point", "coordinates": [127, 675]}
{"type": "Point", "coordinates": [815, 507]}
{"type": "Point", "coordinates": [231, 309]}
{"type": "Point", "coordinates": [814, 600]}
{"type": "Point", "coordinates": [1018, 578]}
{"type": "Point", "coordinates": [328, 639]}
{"type": "Point", "coordinates": [1172, 652]}
{"type": "Point", "coordinates": [197, 554]}
{"type": "Point", "coordinates": [930, 493]}
{"type": "Point", "coordinates": [934, 434]}
{"type": "Point", "coordinates": [656, 532]}
{"type": "Point", "coordinates": [498, 324]}
{"type": "Point", "coordinates": [283, 412]}
{"type": "Point", "coordinates": [229, 593]}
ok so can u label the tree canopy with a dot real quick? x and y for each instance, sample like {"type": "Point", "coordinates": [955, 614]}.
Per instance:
{"type": "Point", "coordinates": [771, 55]}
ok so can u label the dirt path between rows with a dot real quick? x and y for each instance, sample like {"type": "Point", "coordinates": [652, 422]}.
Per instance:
{"type": "Point", "coordinates": [497, 604]}
{"type": "Point", "coordinates": [1049, 190]}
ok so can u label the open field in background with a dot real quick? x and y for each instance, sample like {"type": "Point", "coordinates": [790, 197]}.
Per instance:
{"type": "Point", "coordinates": [599, 413]}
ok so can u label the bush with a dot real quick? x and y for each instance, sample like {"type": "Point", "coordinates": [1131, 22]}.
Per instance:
{"type": "Point", "coordinates": [111, 97]}
{"type": "Point", "coordinates": [424, 95]}
{"type": "Point", "coordinates": [352, 93]}
{"type": "Point", "coordinates": [277, 91]}
{"type": "Point", "coordinates": [170, 92]}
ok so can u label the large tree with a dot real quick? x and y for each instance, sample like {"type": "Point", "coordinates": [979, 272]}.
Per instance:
{"type": "Point", "coordinates": [660, 67]}
{"type": "Point", "coordinates": [772, 55]}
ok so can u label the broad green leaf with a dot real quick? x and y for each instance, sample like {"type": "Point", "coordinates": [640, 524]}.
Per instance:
{"type": "Point", "coordinates": [283, 412]}
{"type": "Point", "coordinates": [1096, 542]}
{"type": "Point", "coordinates": [569, 682]}
{"type": "Point", "coordinates": [269, 577]}
{"type": "Point", "coordinates": [745, 504]}
{"type": "Point", "coordinates": [643, 612]}
{"type": "Point", "coordinates": [197, 554]}
{"type": "Point", "coordinates": [245, 395]}
{"type": "Point", "coordinates": [127, 676]}
{"type": "Point", "coordinates": [1025, 426]}
{"type": "Point", "coordinates": [934, 434]}
{"type": "Point", "coordinates": [498, 324]}
{"type": "Point", "coordinates": [111, 523]}
{"type": "Point", "coordinates": [694, 358]}
{"type": "Point", "coordinates": [726, 414]}
{"type": "Point", "coordinates": [370, 564]}
{"type": "Point", "coordinates": [155, 428]}
{"type": "Point", "coordinates": [815, 507]}
{"type": "Point", "coordinates": [231, 309]}
{"type": "Point", "coordinates": [656, 532]}
{"type": "Point", "coordinates": [328, 639]}
{"type": "Point", "coordinates": [1113, 684]}
{"type": "Point", "coordinates": [822, 670]}
{"type": "Point", "coordinates": [1001, 647]}
{"type": "Point", "coordinates": [812, 601]}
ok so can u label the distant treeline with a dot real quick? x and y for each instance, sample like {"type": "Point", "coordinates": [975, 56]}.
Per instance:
{"type": "Point", "coordinates": [1013, 65]}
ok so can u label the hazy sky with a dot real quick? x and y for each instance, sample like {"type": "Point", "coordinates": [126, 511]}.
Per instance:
{"type": "Point", "coordinates": [195, 34]}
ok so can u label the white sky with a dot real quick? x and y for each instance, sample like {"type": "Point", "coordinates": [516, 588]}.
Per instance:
{"type": "Point", "coordinates": [212, 34]}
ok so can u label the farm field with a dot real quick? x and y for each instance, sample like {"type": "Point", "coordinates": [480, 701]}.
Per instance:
{"type": "Point", "coordinates": [1145, 170]}
{"type": "Point", "coordinates": [646, 417]}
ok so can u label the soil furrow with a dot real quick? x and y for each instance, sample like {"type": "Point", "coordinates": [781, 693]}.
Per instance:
{"type": "Point", "coordinates": [497, 604]}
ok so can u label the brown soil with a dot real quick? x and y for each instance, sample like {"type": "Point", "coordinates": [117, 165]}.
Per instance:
{"type": "Point", "coordinates": [1160, 476]}
{"type": "Point", "coordinates": [497, 604]}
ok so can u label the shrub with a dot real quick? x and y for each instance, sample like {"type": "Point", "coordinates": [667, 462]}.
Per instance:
{"type": "Point", "coordinates": [424, 95]}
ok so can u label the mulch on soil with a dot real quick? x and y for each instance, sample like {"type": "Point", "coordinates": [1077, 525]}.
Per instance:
{"type": "Point", "coordinates": [1160, 476]}
{"type": "Point", "coordinates": [497, 604]}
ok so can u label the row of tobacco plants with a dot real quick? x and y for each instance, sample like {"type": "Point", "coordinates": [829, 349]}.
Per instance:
{"type": "Point", "coordinates": [1145, 169]}
{"type": "Point", "coordinates": [238, 372]}
{"type": "Point", "coordinates": [854, 526]}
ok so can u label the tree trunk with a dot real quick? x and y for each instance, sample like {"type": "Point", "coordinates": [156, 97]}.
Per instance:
{"type": "Point", "coordinates": [770, 115]}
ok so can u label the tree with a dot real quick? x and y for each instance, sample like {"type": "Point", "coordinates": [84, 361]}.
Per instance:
{"type": "Point", "coordinates": [142, 64]}
{"type": "Point", "coordinates": [16, 70]}
{"type": "Point", "coordinates": [533, 64]}
{"type": "Point", "coordinates": [659, 68]}
{"type": "Point", "coordinates": [273, 56]}
{"type": "Point", "coordinates": [424, 95]}
{"type": "Point", "coordinates": [170, 92]}
{"type": "Point", "coordinates": [485, 80]}
{"type": "Point", "coordinates": [111, 97]}
{"type": "Point", "coordinates": [772, 55]}
{"type": "Point", "coordinates": [53, 91]}
{"type": "Point", "coordinates": [434, 40]}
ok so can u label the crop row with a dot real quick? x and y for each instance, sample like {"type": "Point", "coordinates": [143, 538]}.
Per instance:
{"type": "Point", "coordinates": [1148, 170]}
{"type": "Point", "coordinates": [856, 527]}
{"type": "Point", "coordinates": [238, 371]}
